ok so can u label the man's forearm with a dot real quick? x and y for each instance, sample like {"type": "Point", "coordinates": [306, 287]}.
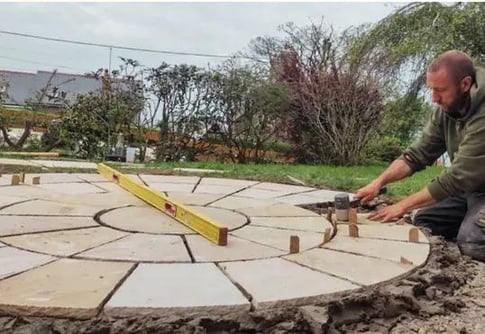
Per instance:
{"type": "Point", "coordinates": [396, 171]}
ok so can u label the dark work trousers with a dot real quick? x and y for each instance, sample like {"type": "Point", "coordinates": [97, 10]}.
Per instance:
{"type": "Point", "coordinates": [461, 217]}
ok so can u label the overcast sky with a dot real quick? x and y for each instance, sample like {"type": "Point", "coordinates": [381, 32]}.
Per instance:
{"type": "Point", "coordinates": [212, 28]}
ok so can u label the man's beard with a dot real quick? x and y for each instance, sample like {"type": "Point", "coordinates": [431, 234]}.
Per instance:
{"type": "Point", "coordinates": [455, 110]}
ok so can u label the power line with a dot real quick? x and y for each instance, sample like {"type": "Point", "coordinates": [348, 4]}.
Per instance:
{"type": "Point", "coordinates": [40, 63]}
{"type": "Point", "coordinates": [125, 47]}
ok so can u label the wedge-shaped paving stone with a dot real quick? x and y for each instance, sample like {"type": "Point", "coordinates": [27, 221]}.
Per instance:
{"type": "Point", "coordinates": [13, 261]}
{"type": "Point", "coordinates": [181, 187]}
{"type": "Point", "coordinates": [71, 188]}
{"type": "Point", "coordinates": [216, 189]}
{"type": "Point", "coordinates": [142, 248]}
{"type": "Point", "coordinates": [169, 179]}
{"type": "Point", "coordinates": [102, 201]}
{"type": "Point", "coordinates": [16, 225]}
{"type": "Point", "coordinates": [23, 191]}
{"type": "Point", "coordinates": [279, 238]}
{"type": "Point", "coordinates": [359, 269]}
{"type": "Point", "coordinates": [226, 182]}
{"type": "Point", "coordinates": [279, 282]}
{"type": "Point", "coordinates": [315, 224]}
{"type": "Point", "coordinates": [8, 200]}
{"type": "Point", "coordinates": [277, 210]}
{"type": "Point", "coordinates": [176, 289]}
{"type": "Point", "coordinates": [222, 217]}
{"type": "Point", "coordinates": [64, 288]}
{"type": "Point", "coordinates": [19, 162]}
{"type": "Point", "coordinates": [319, 196]}
{"type": "Point", "coordinates": [94, 178]}
{"type": "Point", "coordinates": [286, 188]}
{"type": "Point", "coordinates": [39, 207]}
{"type": "Point", "coordinates": [235, 202]}
{"type": "Point", "coordinates": [66, 164]}
{"type": "Point", "coordinates": [194, 199]}
{"type": "Point", "coordinates": [389, 231]}
{"type": "Point", "coordinates": [261, 193]}
{"type": "Point", "coordinates": [143, 219]}
{"type": "Point", "coordinates": [54, 178]}
{"type": "Point", "coordinates": [236, 249]}
{"type": "Point", "coordinates": [384, 249]}
{"type": "Point", "coordinates": [64, 243]}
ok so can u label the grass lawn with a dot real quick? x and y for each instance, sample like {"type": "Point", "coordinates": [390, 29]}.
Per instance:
{"type": "Point", "coordinates": [330, 177]}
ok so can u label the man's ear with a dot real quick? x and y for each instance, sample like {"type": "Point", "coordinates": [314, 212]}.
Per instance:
{"type": "Point", "coordinates": [466, 83]}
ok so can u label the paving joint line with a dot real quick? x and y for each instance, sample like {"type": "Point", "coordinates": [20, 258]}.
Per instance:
{"type": "Point", "coordinates": [239, 286]}
{"type": "Point", "coordinates": [187, 247]}
{"type": "Point", "coordinates": [46, 231]}
{"type": "Point", "coordinates": [234, 192]}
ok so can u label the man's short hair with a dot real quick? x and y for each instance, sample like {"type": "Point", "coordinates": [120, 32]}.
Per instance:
{"type": "Point", "coordinates": [457, 63]}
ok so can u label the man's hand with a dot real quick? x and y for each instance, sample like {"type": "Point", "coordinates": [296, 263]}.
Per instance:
{"type": "Point", "coordinates": [368, 193]}
{"type": "Point", "coordinates": [388, 213]}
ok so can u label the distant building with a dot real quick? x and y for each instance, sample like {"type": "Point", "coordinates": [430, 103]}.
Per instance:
{"type": "Point", "coordinates": [17, 88]}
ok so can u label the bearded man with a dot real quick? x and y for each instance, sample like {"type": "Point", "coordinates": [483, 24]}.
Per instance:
{"type": "Point", "coordinates": [453, 204]}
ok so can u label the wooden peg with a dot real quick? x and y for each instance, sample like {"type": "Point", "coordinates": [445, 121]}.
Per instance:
{"type": "Point", "coordinates": [326, 235]}
{"type": "Point", "coordinates": [352, 216]}
{"type": "Point", "coordinates": [329, 214]}
{"type": "Point", "coordinates": [405, 261]}
{"type": "Point", "coordinates": [294, 244]}
{"type": "Point", "coordinates": [36, 180]}
{"type": "Point", "coordinates": [414, 234]}
{"type": "Point", "coordinates": [22, 177]}
{"type": "Point", "coordinates": [15, 180]}
{"type": "Point", "coordinates": [353, 230]}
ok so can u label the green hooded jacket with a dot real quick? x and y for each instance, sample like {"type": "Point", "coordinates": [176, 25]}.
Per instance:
{"type": "Point", "coordinates": [464, 140]}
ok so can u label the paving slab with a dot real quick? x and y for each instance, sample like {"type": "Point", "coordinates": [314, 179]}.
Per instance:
{"type": "Point", "coordinates": [64, 243]}
{"type": "Point", "coordinates": [389, 231]}
{"type": "Point", "coordinates": [350, 266]}
{"type": "Point", "coordinates": [315, 224]}
{"type": "Point", "coordinates": [235, 202]}
{"type": "Point", "coordinates": [71, 188]}
{"type": "Point", "coordinates": [176, 289]}
{"type": "Point", "coordinates": [384, 249]}
{"type": "Point", "coordinates": [18, 162]}
{"type": "Point", "coordinates": [142, 248]}
{"type": "Point", "coordinates": [103, 201]}
{"type": "Point", "coordinates": [261, 193]}
{"type": "Point", "coordinates": [18, 225]}
{"type": "Point", "coordinates": [23, 191]}
{"type": "Point", "coordinates": [236, 249]}
{"type": "Point", "coordinates": [180, 187]}
{"type": "Point", "coordinates": [8, 200]}
{"type": "Point", "coordinates": [223, 217]}
{"type": "Point", "coordinates": [320, 196]}
{"type": "Point", "coordinates": [5, 179]}
{"type": "Point", "coordinates": [279, 238]}
{"type": "Point", "coordinates": [277, 282]}
{"type": "Point", "coordinates": [299, 199]}
{"type": "Point", "coordinates": [215, 181]}
{"type": "Point", "coordinates": [40, 207]}
{"type": "Point", "coordinates": [143, 219]}
{"type": "Point", "coordinates": [13, 261]}
{"type": "Point", "coordinates": [94, 178]}
{"type": "Point", "coordinates": [277, 210]}
{"type": "Point", "coordinates": [48, 178]}
{"type": "Point", "coordinates": [286, 188]}
{"type": "Point", "coordinates": [65, 164]}
{"type": "Point", "coordinates": [169, 179]}
{"type": "Point", "coordinates": [64, 288]}
{"type": "Point", "coordinates": [217, 189]}
{"type": "Point", "coordinates": [193, 199]}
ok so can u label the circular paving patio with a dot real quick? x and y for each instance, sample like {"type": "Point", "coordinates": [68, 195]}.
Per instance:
{"type": "Point", "coordinates": [77, 245]}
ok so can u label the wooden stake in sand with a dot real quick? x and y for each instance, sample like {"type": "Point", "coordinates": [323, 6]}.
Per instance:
{"type": "Point", "coordinates": [294, 244]}
{"type": "Point", "coordinates": [352, 216]}
{"type": "Point", "coordinates": [414, 234]}
{"type": "Point", "coordinates": [326, 235]}
{"type": "Point", "coordinates": [405, 261]}
{"type": "Point", "coordinates": [353, 230]}
{"type": "Point", "coordinates": [15, 180]}
{"type": "Point", "coordinates": [36, 180]}
{"type": "Point", "coordinates": [22, 177]}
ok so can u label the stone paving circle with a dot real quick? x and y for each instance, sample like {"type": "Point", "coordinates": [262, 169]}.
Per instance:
{"type": "Point", "coordinates": [77, 245]}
